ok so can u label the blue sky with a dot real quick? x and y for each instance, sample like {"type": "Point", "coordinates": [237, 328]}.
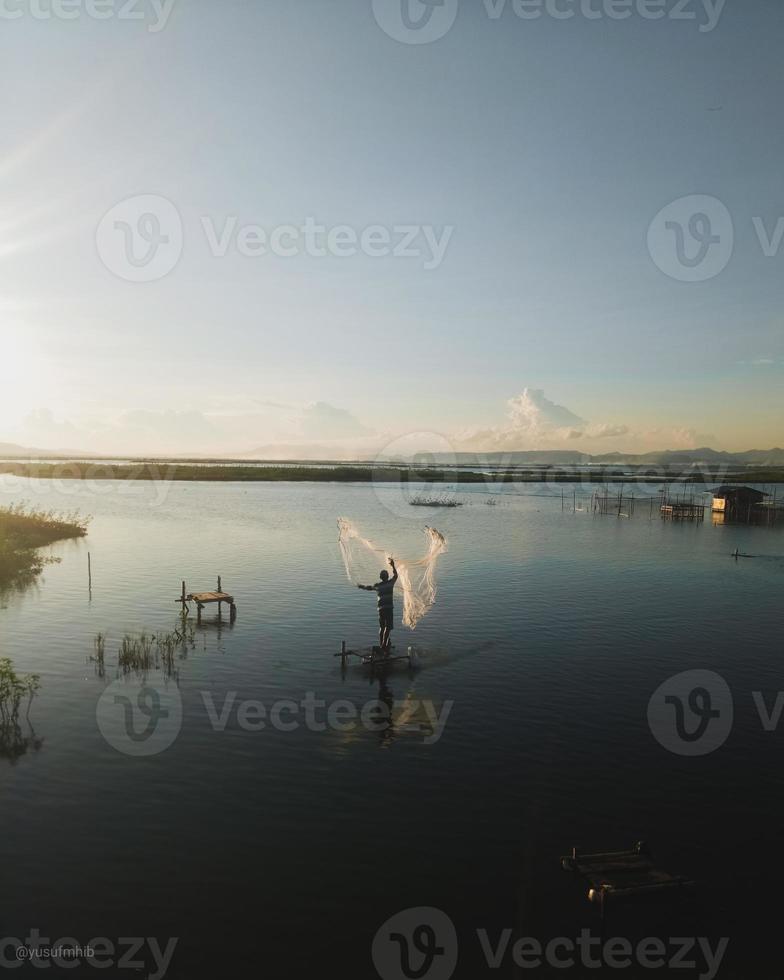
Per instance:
{"type": "Point", "coordinates": [539, 152]}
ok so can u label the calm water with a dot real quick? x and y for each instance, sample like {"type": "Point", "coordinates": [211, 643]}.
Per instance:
{"type": "Point", "coordinates": [286, 850]}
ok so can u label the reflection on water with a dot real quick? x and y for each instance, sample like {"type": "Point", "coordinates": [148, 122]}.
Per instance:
{"type": "Point", "coordinates": [17, 738]}
{"type": "Point", "coordinates": [551, 630]}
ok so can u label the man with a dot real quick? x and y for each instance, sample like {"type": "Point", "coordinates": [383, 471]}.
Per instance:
{"type": "Point", "coordinates": [384, 590]}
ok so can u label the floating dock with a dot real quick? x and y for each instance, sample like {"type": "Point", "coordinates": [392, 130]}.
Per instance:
{"type": "Point", "coordinates": [618, 875]}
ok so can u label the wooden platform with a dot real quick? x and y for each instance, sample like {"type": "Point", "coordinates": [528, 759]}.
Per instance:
{"type": "Point", "coordinates": [618, 875]}
{"type": "Point", "coordinates": [203, 599]}
{"type": "Point", "coordinates": [373, 658]}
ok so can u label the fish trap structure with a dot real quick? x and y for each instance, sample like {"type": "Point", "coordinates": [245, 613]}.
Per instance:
{"type": "Point", "coordinates": [203, 599]}
{"type": "Point", "coordinates": [612, 504]}
{"type": "Point", "coordinates": [683, 511]}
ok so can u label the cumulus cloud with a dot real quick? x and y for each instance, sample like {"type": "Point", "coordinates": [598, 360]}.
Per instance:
{"type": "Point", "coordinates": [320, 420]}
{"type": "Point", "coordinates": [40, 427]}
{"type": "Point", "coordinates": [533, 413]}
{"type": "Point", "coordinates": [234, 426]}
{"type": "Point", "coordinates": [537, 422]}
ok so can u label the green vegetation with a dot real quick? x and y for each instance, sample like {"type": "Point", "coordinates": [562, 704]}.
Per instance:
{"type": "Point", "coordinates": [22, 531]}
{"type": "Point", "coordinates": [163, 471]}
{"type": "Point", "coordinates": [14, 687]}
{"type": "Point", "coordinates": [142, 652]}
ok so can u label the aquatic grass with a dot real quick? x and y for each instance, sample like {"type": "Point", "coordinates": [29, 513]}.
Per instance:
{"type": "Point", "coordinates": [142, 652]}
{"type": "Point", "coordinates": [100, 651]}
{"type": "Point", "coordinates": [25, 529]}
{"type": "Point", "coordinates": [13, 688]}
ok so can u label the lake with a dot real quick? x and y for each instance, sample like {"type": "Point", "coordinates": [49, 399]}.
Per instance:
{"type": "Point", "coordinates": [286, 848]}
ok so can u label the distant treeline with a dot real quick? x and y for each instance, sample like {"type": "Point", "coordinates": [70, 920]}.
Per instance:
{"type": "Point", "coordinates": [164, 471]}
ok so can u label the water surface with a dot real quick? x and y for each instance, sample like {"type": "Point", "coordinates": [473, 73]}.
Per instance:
{"type": "Point", "coordinates": [288, 850]}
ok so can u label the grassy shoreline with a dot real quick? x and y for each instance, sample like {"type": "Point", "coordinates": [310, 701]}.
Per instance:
{"type": "Point", "coordinates": [339, 473]}
{"type": "Point", "coordinates": [22, 532]}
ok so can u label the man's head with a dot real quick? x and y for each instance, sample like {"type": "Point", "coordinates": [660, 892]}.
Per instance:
{"type": "Point", "coordinates": [384, 575]}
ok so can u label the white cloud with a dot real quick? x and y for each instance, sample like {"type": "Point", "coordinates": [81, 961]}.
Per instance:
{"type": "Point", "coordinates": [320, 420]}
{"type": "Point", "coordinates": [536, 422]}
{"type": "Point", "coordinates": [534, 414]}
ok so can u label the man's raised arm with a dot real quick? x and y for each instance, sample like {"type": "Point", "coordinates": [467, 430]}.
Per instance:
{"type": "Point", "coordinates": [394, 570]}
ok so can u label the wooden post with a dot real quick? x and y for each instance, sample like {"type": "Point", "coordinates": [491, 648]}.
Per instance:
{"type": "Point", "coordinates": [219, 587]}
{"type": "Point", "coordinates": [89, 574]}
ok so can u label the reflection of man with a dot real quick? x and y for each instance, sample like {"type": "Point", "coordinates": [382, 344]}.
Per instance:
{"type": "Point", "coordinates": [385, 592]}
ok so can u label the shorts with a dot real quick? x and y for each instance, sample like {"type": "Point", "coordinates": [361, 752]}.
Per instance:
{"type": "Point", "coordinates": [386, 618]}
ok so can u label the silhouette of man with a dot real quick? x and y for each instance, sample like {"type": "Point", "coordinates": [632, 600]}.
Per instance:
{"type": "Point", "coordinates": [385, 592]}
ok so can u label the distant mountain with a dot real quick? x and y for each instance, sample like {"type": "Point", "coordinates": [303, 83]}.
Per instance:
{"type": "Point", "coordinates": [30, 452]}
{"type": "Point", "coordinates": [666, 457]}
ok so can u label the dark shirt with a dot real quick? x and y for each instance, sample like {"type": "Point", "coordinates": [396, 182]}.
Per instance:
{"type": "Point", "coordinates": [385, 591]}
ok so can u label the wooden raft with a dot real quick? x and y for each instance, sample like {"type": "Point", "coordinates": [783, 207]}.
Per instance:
{"type": "Point", "coordinates": [618, 875]}
{"type": "Point", "coordinates": [373, 658]}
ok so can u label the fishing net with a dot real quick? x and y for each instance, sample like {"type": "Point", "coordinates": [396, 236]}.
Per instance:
{"type": "Point", "coordinates": [417, 579]}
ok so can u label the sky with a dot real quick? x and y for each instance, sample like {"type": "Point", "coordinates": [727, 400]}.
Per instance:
{"type": "Point", "coordinates": [311, 228]}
